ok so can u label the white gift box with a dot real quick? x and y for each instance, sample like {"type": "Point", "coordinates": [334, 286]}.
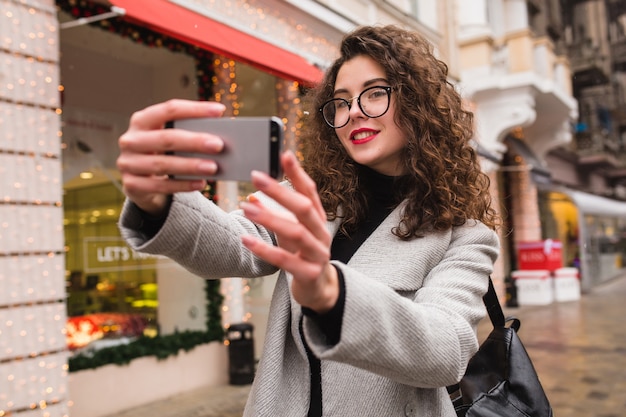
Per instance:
{"type": "Point", "coordinates": [534, 287]}
{"type": "Point", "coordinates": [566, 284]}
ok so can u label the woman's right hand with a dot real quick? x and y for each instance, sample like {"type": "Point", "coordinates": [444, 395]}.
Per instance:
{"type": "Point", "coordinates": [144, 162]}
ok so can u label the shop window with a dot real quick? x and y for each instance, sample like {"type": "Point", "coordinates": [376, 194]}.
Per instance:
{"type": "Point", "coordinates": [559, 221]}
{"type": "Point", "coordinates": [606, 246]}
{"type": "Point", "coordinates": [112, 291]}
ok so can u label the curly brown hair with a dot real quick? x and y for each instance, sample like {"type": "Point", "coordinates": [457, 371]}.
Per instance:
{"type": "Point", "coordinates": [445, 185]}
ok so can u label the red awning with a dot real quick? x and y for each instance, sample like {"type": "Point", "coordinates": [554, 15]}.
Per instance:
{"type": "Point", "coordinates": [188, 26]}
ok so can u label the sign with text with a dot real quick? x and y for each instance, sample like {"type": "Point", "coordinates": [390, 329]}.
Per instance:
{"type": "Point", "coordinates": [543, 254]}
{"type": "Point", "coordinates": [105, 254]}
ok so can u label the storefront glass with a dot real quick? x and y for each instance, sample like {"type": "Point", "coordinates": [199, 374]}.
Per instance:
{"type": "Point", "coordinates": [559, 221]}
{"type": "Point", "coordinates": [112, 291]}
{"type": "Point", "coordinates": [605, 246]}
{"type": "Point", "coordinates": [597, 246]}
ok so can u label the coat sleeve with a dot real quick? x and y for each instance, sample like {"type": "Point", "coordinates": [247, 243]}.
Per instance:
{"type": "Point", "coordinates": [201, 237]}
{"type": "Point", "coordinates": [412, 310]}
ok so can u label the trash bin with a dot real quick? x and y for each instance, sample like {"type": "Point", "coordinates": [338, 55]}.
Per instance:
{"type": "Point", "coordinates": [240, 353]}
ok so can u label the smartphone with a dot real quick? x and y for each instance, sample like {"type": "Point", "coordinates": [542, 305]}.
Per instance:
{"type": "Point", "coordinates": [250, 143]}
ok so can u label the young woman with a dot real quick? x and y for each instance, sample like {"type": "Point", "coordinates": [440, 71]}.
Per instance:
{"type": "Point", "coordinates": [385, 239]}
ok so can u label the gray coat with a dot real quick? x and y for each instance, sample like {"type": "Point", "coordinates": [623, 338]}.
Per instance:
{"type": "Point", "coordinates": [409, 324]}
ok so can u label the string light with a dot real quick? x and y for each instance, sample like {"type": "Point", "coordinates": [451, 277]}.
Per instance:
{"type": "Point", "coordinates": [274, 23]}
{"type": "Point", "coordinates": [33, 352]}
{"type": "Point", "coordinates": [290, 111]}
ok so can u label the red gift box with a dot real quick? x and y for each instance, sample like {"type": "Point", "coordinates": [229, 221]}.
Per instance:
{"type": "Point", "coordinates": [544, 254]}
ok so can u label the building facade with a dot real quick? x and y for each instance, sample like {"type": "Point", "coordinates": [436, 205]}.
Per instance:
{"type": "Point", "coordinates": [73, 73]}
{"type": "Point", "coordinates": [544, 79]}
{"type": "Point", "coordinates": [519, 86]}
{"type": "Point", "coordinates": [522, 72]}
{"type": "Point", "coordinates": [594, 162]}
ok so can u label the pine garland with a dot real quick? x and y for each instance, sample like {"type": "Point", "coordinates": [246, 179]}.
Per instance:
{"type": "Point", "coordinates": [214, 299]}
{"type": "Point", "coordinates": [161, 347]}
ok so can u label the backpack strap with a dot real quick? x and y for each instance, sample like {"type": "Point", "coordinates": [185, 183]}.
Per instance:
{"type": "Point", "coordinates": [494, 310]}
{"type": "Point", "coordinates": [493, 306]}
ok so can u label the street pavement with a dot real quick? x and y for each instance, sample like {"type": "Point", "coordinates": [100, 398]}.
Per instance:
{"type": "Point", "coordinates": [578, 349]}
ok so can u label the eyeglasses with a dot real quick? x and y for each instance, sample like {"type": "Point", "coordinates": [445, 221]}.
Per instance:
{"type": "Point", "coordinates": [373, 102]}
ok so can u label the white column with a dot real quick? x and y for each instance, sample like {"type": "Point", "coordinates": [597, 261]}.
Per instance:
{"type": "Point", "coordinates": [515, 15]}
{"type": "Point", "coordinates": [228, 191]}
{"type": "Point", "coordinates": [472, 17]}
{"type": "Point", "coordinates": [427, 13]}
{"type": "Point", "coordinates": [290, 111]}
{"type": "Point", "coordinates": [232, 288]}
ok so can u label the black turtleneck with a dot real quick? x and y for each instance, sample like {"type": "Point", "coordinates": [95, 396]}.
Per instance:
{"type": "Point", "coordinates": [381, 192]}
{"type": "Point", "coordinates": [382, 197]}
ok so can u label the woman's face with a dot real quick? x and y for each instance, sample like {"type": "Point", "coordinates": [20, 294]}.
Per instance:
{"type": "Point", "coordinates": [374, 142]}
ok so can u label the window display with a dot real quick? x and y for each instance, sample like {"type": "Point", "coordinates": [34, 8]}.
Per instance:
{"type": "Point", "coordinates": [112, 291]}
{"type": "Point", "coordinates": [593, 232]}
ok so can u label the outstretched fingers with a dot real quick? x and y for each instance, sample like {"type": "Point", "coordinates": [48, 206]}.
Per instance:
{"type": "Point", "coordinates": [302, 201]}
{"type": "Point", "coordinates": [302, 182]}
{"type": "Point", "coordinates": [292, 235]}
{"type": "Point", "coordinates": [283, 259]}
{"type": "Point", "coordinates": [303, 241]}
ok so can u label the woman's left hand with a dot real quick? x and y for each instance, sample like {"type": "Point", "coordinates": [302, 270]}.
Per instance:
{"type": "Point", "coordinates": [303, 240]}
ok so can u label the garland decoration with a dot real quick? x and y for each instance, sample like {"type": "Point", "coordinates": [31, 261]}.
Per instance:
{"type": "Point", "coordinates": [160, 346]}
{"type": "Point", "coordinates": [214, 299]}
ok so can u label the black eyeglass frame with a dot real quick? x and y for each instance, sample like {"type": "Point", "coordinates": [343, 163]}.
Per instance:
{"type": "Point", "coordinates": [349, 102]}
